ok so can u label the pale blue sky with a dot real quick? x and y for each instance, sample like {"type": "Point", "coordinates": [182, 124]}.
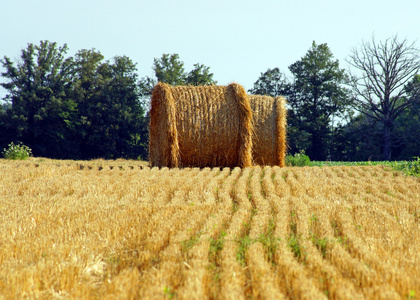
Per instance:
{"type": "Point", "coordinates": [237, 39]}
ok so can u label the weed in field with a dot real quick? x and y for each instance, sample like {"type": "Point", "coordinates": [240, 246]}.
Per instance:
{"type": "Point", "coordinates": [18, 151]}
{"type": "Point", "coordinates": [343, 240]}
{"type": "Point", "coordinates": [358, 227]}
{"type": "Point", "coordinates": [314, 219]}
{"type": "Point", "coordinates": [293, 224]}
{"type": "Point", "coordinates": [298, 160]}
{"type": "Point", "coordinates": [216, 245]}
{"type": "Point", "coordinates": [296, 247]}
{"type": "Point", "coordinates": [235, 206]}
{"type": "Point", "coordinates": [320, 243]}
{"type": "Point", "coordinates": [244, 242]}
{"type": "Point", "coordinates": [269, 242]}
{"type": "Point", "coordinates": [408, 167]}
{"type": "Point", "coordinates": [411, 168]}
{"type": "Point", "coordinates": [188, 244]}
{"type": "Point", "coordinates": [411, 295]}
{"type": "Point", "coordinates": [389, 193]}
{"type": "Point", "coordinates": [283, 176]}
{"type": "Point", "coordinates": [167, 291]}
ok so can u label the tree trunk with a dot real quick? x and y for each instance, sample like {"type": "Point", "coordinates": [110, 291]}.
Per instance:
{"type": "Point", "coordinates": [387, 141]}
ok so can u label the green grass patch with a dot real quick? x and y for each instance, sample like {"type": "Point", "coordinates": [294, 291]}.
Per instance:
{"type": "Point", "coordinates": [296, 247]}
{"type": "Point", "coordinates": [216, 245]}
{"type": "Point", "coordinates": [244, 242]}
{"type": "Point", "coordinates": [269, 241]}
{"type": "Point", "coordinates": [188, 244]}
{"type": "Point", "coordinates": [320, 243]}
{"type": "Point", "coordinates": [168, 292]}
{"type": "Point", "coordinates": [411, 168]}
{"type": "Point", "coordinates": [298, 160]}
{"type": "Point", "coordinates": [17, 151]}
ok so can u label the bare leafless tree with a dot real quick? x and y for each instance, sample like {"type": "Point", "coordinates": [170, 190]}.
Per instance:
{"type": "Point", "coordinates": [379, 91]}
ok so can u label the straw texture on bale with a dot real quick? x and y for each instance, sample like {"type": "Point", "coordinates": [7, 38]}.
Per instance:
{"type": "Point", "coordinates": [200, 126]}
{"type": "Point", "coordinates": [269, 141]}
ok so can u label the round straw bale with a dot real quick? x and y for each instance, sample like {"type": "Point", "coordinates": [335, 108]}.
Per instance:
{"type": "Point", "coordinates": [269, 141]}
{"type": "Point", "coordinates": [163, 134]}
{"type": "Point", "coordinates": [200, 126]}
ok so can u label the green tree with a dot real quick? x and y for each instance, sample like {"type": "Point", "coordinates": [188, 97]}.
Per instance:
{"type": "Point", "coordinates": [76, 107]}
{"type": "Point", "coordinates": [38, 87]}
{"type": "Point", "coordinates": [315, 96]}
{"type": "Point", "coordinates": [272, 83]}
{"type": "Point", "coordinates": [200, 75]}
{"type": "Point", "coordinates": [385, 68]}
{"type": "Point", "coordinates": [359, 139]}
{"type": "Point", "coordinates": [146, 85]}
{"type": "Point", "coordinates": [413, 89]}
{"type": "Point", "coordinates": [407, 125]}
{"type": "Point", "coordinates": [6, 135]}
{"type": "Point", "coordinates": [111, 120]}
{"type": "Point", "coordinates": [170, 69]}
{"type": "Point", "coordinates": [127, 128]}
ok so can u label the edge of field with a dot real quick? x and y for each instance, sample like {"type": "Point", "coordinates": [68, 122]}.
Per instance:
{"type": "Point", "coordinates": [411, 168]}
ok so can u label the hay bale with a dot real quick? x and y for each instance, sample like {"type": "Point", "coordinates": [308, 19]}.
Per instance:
{"type": "Point", "coordinates": [269, 141]}
{"type": "Point", "coordinates": [200, 126]}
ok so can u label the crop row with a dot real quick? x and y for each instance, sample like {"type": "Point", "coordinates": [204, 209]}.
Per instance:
{"type": "Point", "coordinates": [267, 232]}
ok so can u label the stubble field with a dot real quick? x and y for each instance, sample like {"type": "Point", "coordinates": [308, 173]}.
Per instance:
{"type": "Point", "coordinates": [118, 229]}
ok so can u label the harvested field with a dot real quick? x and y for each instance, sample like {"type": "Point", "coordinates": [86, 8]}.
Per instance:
{"type": "Point", "coordinates": [119, 229]}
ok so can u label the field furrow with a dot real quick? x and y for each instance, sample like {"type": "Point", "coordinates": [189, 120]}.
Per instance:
{"type": "Point", "coordinates": [200, 251]}
{"type": "Point", "coordinates": [167, 274]}
{"type": "Point", "coordinates": [362, 250]}
{"type": "Point", "coordinates": [261, 238]}
{"type": "Point", "coordinates": [293, 279]}
{"type": "Point", "coordinates": [119, 229]}
{"type": "Point", "coordinates": [232, 255]}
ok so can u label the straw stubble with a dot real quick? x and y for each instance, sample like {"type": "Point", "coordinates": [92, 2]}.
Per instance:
{"type": "Point", "coordinates": [92, 230]}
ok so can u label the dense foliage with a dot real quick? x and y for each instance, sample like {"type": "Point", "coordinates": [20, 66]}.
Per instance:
{"type": "Point", "coordinates": [315, 96]}
{"type": "Point", "coordinates": [409, 167]}
{"type": "Point", "coordinates": [75, 107]}
{"type": "Point", "coordinates": [298, 160]}
{"type": "Point", "coordinates": [322, 120]}
{"type": "Point", "coordinates": [18, 151]}
{"type": "Point", "coordinates": [84, 107]}
{"type": "Point", "coordinates": [385, 67]}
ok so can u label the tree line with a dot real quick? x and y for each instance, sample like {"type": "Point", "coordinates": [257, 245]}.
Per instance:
{"type": "Point", "coordinates": [84, 107]}
{"type": "Point", "coordinates": [368, 113]}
